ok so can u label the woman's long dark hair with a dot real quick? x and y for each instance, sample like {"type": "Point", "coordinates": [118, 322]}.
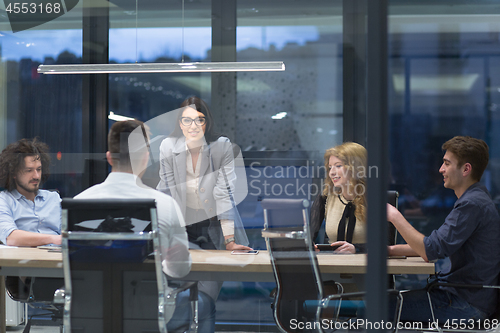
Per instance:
{"type": "Point", "coordinates": [199, 105]}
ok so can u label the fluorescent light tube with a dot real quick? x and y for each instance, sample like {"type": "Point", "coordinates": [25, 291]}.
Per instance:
{"type": "Point", "coordinates": [162, 67]}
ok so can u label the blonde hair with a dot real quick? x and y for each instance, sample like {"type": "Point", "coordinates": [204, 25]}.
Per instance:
{"type": "Point", "coordinates": [354, 158]}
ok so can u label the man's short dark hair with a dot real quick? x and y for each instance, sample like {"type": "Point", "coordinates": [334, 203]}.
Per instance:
{"type": "Point", "coordinates": [12, 160]}
{"type": "Point", "coordinates": [118, 144]}
{"type": "Point", "coordinates": [469, 150]}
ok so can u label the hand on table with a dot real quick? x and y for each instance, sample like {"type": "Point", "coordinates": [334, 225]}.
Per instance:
{"type": "Point", "coordinates": [344, 247]}
{"type": "Point", "coordinates": [57, 240]}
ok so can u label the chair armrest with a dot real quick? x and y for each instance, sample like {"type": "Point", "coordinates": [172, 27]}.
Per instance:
{"type": "Point", "coordinates": [433, 285]}
{"type": "Point", "coordinates": [192, 285]}
{"type": "Point", "coordinates": [17, 290]}
{"type": "Point", "coordinates": [357, 294]}
{"type": "Point", "coordinates": [193, 291]}
{"type": "Point", "coordinates": [283, 234]}
{"type": "Point", "coordinates": [345, 295]}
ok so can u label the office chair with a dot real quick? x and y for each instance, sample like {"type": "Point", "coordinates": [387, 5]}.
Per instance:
{"type": "Point", "coordinates": [491, 324]}
{"type": "Point", "coordinates": [37, 293]}
{"type": "Point", "coordinates": [350, 308]}
{"type": "Point", "coordinates": [392, 198]}
{"type": "Point", "coordinates": [104, 243]}
{"type": "Point", "coordinates": [299, 294]}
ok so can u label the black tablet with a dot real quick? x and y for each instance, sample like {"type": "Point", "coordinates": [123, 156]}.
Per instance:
{"type": "Point", "coordinates": [327, 247]}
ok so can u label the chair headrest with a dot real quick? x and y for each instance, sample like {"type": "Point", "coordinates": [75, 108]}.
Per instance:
{"type": "Point", "coordinates": [285, 204]}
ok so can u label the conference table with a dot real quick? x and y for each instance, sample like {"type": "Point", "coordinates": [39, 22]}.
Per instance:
{"type": "Point", "coordinates": [206, 265]}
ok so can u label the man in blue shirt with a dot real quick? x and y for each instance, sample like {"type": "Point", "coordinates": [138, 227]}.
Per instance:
{"type": "Point", "coordinates": [469, 237]}
{"type": "Point", "coordinates": [28, 216]}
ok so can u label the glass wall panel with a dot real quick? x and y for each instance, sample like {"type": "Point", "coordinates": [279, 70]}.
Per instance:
{"type": "Point", "coordinates": [282, 121]}
{"type": "Point", "coordinates": [492, 101]}
{"type": "Point", "coordinates": [444, 66]}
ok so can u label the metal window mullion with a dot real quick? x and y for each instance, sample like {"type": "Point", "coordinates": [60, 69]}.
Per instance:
{"type": "Point", "coordinates": [378, 157]}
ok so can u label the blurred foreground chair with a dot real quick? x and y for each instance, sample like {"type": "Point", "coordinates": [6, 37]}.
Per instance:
{"type": "Point", "coordinates": [300, 294]}
{"type": "Point", "coordinates": [102, 241]}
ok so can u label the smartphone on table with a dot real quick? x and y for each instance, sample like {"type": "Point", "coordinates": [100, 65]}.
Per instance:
{"type": "Point", "coordinates": [327, 247]}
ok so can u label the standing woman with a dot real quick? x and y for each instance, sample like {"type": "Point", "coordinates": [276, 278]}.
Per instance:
{"type": "Point", "coordinates": [343, 203]}
{"type": "Point", "coordinates": [197, 168]}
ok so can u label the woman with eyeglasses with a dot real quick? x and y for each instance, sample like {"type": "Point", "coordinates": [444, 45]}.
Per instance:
{"type": "Point", "coordinates": [342, 204]}
{"type": "Point", "coordinates": [197, 170]}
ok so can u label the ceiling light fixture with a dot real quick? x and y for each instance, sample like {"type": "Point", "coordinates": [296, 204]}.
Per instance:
{"type": "Point", "coordinates": [117, 117]}
{"type": "Point", "coordinates": [279, 115]}
{"type": "Point", "coordinates": [184, 67]}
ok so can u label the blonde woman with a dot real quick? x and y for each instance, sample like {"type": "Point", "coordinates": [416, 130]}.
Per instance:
{"type": "Point", "coordinates": [343, 203]}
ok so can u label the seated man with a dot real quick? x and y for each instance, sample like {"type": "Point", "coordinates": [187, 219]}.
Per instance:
{"type": "Point", "coordinates": [28, 216]}
{"type": "Point", "coordinates": [126, 156]}
{"type": "Point", "coordinates": [469, 237]}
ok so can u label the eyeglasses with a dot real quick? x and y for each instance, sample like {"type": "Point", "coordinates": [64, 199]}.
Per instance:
{"type": "Point", "coordinates": [186, 121]}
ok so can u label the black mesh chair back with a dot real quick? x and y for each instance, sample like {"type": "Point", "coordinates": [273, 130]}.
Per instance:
{"type": "Point", "coordinates": [295, 266]}
{"type": "Point", "coordinates": [392, 198]}
{"type": "Point", "coordinates": [98, 235]}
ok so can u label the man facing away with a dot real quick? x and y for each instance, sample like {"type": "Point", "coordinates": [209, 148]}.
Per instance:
{"type": "Point", "coordinates": [469, 237]}
{"type": "Point", "coordinates": [28, 216]}
{"type": "Point", "coordinates": [128, 152]}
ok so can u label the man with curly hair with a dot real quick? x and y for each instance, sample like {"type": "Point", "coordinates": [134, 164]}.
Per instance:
{"type": "Point", "coordinates": [29, 216]}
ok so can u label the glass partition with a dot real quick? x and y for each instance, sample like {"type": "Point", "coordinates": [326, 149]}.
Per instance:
{"type": "Point", "coordinates": [49, 108]}
{"type": "Point", "coordinates": [444, 62]}
{"type": "Point", "coordinates": [282, 121]}
{"type": "Point", "coordinates": [443, 82]}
